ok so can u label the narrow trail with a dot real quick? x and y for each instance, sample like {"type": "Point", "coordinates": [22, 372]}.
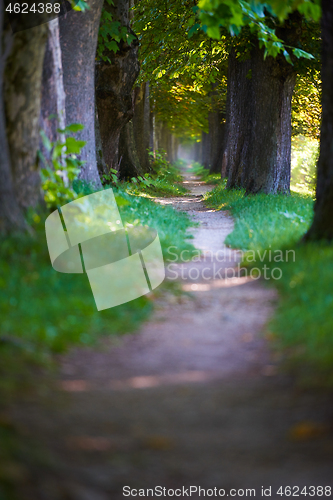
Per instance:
{"type": "Point", "coordinates": [193, 398]}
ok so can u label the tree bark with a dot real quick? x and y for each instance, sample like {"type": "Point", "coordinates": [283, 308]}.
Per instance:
{"type": "Point", "coordinates": [257, 153]}
{"type": "Point", "coordinates": [114, 83]}
{"type": "Point", "coordinates": [205, 149]}
{"type": "Point", "coordinates": [11, 217]}
{"type": "Point", "coordinates": [322, 226]}
{"type": "Point", "coordinates": [216, 128]}
{"type": "Point", "coordinates": [22, 89]}
{"type": "Point", "coordinates": [238, 130]}
{"type": "Point", "coordinates": [268, 166]}
{"type": "Point", "coordinates": [141, 126]}
{"type": "Point", "coordinates": [197, 152]}
{"type": "Point", "coordinates": [53, 92]}
{"type": "Point", "coordinates": [129, 162]}
{"type": "Point", "coordinates": [78, 38]}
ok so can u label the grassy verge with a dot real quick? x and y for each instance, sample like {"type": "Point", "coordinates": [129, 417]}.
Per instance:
{"type": "Point", "coordinates": [203, 173]}
{"type": "Point", "coordinates": [165, 181]}
{"type": "Point", "coordinates": [43, 311]}
{"type": "Point", "coordinates": [302, 328]}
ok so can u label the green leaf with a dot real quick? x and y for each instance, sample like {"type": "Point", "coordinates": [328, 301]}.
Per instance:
{"type": "Point", "coordinates": [301, 53]}
{"type": "Point", "coordinates": [58, 149]}
{"type": "Point", "coordinates": [46, 141]}
{"type": "Point", "coordinates": [73, 145]}
{"type": "Point", "coordinates": [214, 32]}
{"type": "Point", "coordinates": [287, 56]}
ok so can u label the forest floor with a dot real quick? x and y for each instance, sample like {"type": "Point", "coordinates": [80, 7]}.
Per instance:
{"type": "Point", "coordinates": [195, 398]}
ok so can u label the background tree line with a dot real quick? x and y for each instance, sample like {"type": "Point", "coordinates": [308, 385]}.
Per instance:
{"type": "Point", "coordinates": [219, 75]}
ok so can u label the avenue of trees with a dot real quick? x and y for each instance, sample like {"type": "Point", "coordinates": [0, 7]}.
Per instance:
{"type": "Point", "coordinates": [140, 76]}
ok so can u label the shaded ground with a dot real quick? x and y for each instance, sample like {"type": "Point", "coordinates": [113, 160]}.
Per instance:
{"type": "Point", "coordinates": [194, 398]}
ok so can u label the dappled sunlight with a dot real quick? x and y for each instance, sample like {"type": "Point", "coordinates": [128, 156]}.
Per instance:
{"type": "Point", "coordinates": [140, 382]}
{"type": "Point", "coordinates": [218, 283]}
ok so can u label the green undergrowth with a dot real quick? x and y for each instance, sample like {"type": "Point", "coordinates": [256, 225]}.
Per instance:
{"type": "Point", "coordinates": [164, 181]}
{"type": "Point", "coordinates": [43, 311]}
{"type": "Point", "coordinates": [268, 228]}
{"type": "Point", "coordinates": [202, 172]}
{"type": "Point", "coordinates": [263, 221]}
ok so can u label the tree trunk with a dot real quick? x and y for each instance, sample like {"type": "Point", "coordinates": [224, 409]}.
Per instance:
{"type": "Point", "coordinates": [197, 152]}
{"type": "Point", "coordinates": [53, 92]}
{"type": "Point", "coordinates": [78, 38]}
{"type": "Point", "coordinates": [101, 165]}
{"type": "Point", "coordinates": [205, 149]}
{"type": "Point", "coordinates": [258, 137]}
{"type": "Point", "coordinates": [175, 145]}
{"type": "Point", "coordinates": [322, 226]}
{"type": "Point", "coordinates": [141, 126]}
{"type": "Point", "coordinates": [22, 89]}
{"type": "Point", "coordinates": [11, 217]}
{"type": "Point", "coordinates": [129, 162]}
{"type": "Point", "coordinates": [268, 167]}
{"type": "Point", "coordinates": [238, 110]}
{"type": "Point", "coordinates": [216, 127]}
{"type": "Point", "coordinates": [169, 145]}
{"type": "Point", "coordinates": [114, 83]}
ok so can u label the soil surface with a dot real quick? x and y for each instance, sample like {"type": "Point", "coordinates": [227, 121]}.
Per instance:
{"type": "Point", "coordinates": [195, 398]}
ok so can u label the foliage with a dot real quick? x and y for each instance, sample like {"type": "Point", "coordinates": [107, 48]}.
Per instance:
{"type": "Point", "coordinates": [306, 105]}
{"type": "Point", "coordinates": [61, 166]}
{"type": "Point", "coordinates": [183, 64]}
{"type": "Point", "coordinates": [167, 50]}
{"type": "Point", "coordinates": [304, 157]}
{"type": "Point", "coordinates": [111, 34]}
{"type": "Point", "coordinates": [166, 181]}
{"type": "Point", "coordinates": [181, 69]}
{"type": "Point", "coordinates": [235, 15]}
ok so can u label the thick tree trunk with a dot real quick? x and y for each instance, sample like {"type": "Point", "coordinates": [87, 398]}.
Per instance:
{"type": "Point", "coordinates": [53, 92]}
{"type": "Point", "coordinates": [129, 162]}
{"type": "Point", "coordinates": [114, 83]}
{"type": "Point", "coordinates": [11, 217]}
{"type": "Point", "coordinates": [22, 88]}
{"type": "Point", "coordinates": [238, 130]}
{"type": "Point", "coordinates": [78, 38]}
{"type": "Point", "coordinates": [268, 166]}
{"type": "Point", "coordinates": [141, 126]}
{"type": "Point", "coordinates": [258, 131]}
{"type": "Point", "coordinates": [322, 226]}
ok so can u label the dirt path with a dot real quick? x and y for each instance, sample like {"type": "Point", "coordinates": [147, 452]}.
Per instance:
{"type": "Point", "coordinates": [194, 398]}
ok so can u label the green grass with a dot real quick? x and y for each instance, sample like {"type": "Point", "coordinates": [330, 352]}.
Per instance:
{"type": "Point", "coordinates": [43, 311]}
{"type": "Point", "coordinates": [303, 324]}
{"type": "Point", "coordinates": [166, 180]}
{"type": "Point", "coordinates": [263, 220]}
